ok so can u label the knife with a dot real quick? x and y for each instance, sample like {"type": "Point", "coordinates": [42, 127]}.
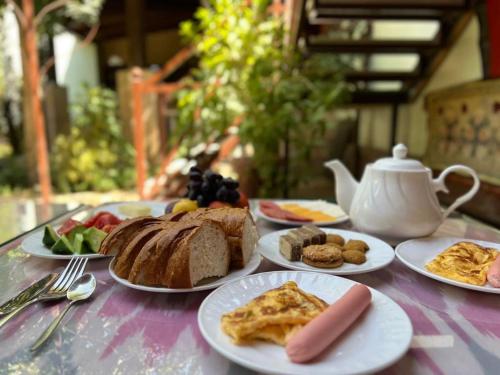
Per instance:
{"type": "Point", "coordinates": [28, 294]}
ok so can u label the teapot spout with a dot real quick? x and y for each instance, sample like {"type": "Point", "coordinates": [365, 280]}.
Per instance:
{"type": "Point", "coordinates": [345, 184]}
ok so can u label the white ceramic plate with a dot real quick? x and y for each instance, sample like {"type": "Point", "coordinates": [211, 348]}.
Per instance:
{"type": "Point", "coordinates": [212, 283]}
{"type": "Point", "coordinates": [380, 254]}
{"type": "Point", "coordinates": [380, 337]}
{"type": "Point", "coordinates": [320, 205]}
{"type": "Point", "coordinates": [33, 244]}
{"type": "Point", "coordinates": [415, 254]}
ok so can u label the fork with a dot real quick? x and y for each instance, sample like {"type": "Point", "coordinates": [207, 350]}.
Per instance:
{"type": "Point", "coordinates": [58, 290]}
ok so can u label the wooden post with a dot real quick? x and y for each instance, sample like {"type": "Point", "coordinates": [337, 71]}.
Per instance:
{"type": "Point", "coordinates": [140, 159]}
{"type": "Point", "coordinates": [34, 92]}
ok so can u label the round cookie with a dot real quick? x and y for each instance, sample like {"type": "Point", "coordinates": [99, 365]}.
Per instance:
{"type": "Point", "coordinates": [356, 245]}
{"type": "Point", "coordinates": [354, 256]}
{"type": "Point", "coordinates": [322, 256]}
{"type": "Point", "coordinates": [335, 238]}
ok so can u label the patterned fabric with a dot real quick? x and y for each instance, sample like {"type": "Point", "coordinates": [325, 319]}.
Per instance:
{"type": "Point", "coordinates": [464, 127]}
{"type": "Point", "coordinates": [123, 331]}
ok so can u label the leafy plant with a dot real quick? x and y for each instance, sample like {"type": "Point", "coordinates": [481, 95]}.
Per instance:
{"type": "Point", "coordinates": [95, 155]}
{"type": "Point", "coordinates": [248, 76]}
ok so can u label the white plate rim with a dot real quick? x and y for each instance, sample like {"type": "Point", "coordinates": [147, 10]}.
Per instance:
{"type": "Point", "coordinates": [442, 279]}
{"type": "Point", "coordinates": [339, 220]}
{"type": "Point", "coordinates": [300, 266]}
{"type": "Point", "coordinates": [250, 267]}
{"type": "Point", "coordinates": [38, 234]}
{"type": "Point", "coordinates": [254, 367]}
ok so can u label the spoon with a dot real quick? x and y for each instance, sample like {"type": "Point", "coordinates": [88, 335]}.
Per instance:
{"type": "Point", "coordinates": [81, 289]}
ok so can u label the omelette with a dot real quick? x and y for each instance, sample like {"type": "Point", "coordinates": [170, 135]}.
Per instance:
{"type": "Point", "coordinates": [273, 316]}
{"type": "Point", "coordinates": [464, 261]}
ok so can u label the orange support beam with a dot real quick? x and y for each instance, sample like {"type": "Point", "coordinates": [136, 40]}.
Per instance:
{"type": "Point", "coordinates": [31, 49]}
{"type": "Point", "coordinates": [140, 156]}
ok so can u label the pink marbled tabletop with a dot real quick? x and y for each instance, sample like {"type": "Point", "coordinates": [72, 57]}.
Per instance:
{"type": "Point", "coordinates": [121, 330]}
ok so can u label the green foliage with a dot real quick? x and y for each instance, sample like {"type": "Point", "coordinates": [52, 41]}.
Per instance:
{"type": "Point", "coordinates": [95, 155]}
{"type": "Point", "coordinates": [13, 173]}
{"type": "Point", "coordinates": [247, 74]}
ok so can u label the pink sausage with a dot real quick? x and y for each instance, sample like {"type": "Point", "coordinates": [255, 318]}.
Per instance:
{"type": "Point", "coordinates": [320, 332]}
{"type": "Point", "coordinates": [493, 274]}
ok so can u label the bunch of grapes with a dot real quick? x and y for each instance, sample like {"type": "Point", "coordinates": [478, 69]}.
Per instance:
{"type": "Point", "coordinates": [208, 187]}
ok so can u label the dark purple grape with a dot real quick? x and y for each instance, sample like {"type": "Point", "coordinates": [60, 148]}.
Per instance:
{"type": "Point", "coordinates": [206, 187]}
{"type": "Point", "coordinates": [195, 169]}
{"type": "Point", "coordinates": [230, 183]}
{"type": "Point", "coordinates": [202, 201]}
{"type": "Point", "coordinates": [194, 184]}
{"type": "Point", "coordinates": [233, 196]}
{"type": "Point", "coordinates": [222, 194]}
{"type": "Point", "coordinates": [193, 194]}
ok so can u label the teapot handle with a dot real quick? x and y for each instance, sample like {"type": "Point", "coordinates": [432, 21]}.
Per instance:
{"type": "Point", "coordinates": [439, 184]}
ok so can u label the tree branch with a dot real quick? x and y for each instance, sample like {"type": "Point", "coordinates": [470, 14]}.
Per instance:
{"type": "Point", "coordinates": [18, 12]}
{"type": "Point", "coordinates": [46, 67]}
{"type": "Point", "coordinates": [49, 8]}
{"type": "Point", "coordinates": [85, 42]}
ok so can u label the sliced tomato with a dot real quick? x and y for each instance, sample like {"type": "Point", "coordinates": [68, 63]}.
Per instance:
{"type": "Point", "coordinates": [68, 226]}
{"type": "Point", "coordinates": [108, 219]}
{"type": "Point", "coordinates": [90, 222]}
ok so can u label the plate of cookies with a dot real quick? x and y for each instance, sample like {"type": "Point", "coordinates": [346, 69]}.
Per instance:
{"type": "Point", "coordinates": [327, 250]}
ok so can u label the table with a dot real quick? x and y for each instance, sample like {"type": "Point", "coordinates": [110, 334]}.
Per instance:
{"type": "Point", "coordinates": [124, 331]}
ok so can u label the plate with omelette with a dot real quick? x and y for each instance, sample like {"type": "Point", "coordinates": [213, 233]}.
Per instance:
{"type": "Point", "coordinates": [298, 212]}
{"type": "Point", "coordinates": [469, 264]}
{"type": "Point", "coordinates": [254, 321]}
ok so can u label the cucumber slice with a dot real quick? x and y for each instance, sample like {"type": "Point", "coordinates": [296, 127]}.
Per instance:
{"type": "Point", "coordinates": [78, 243]}
{"type": "Point", "coordinates": [72, 234]}
{"type": "Point", "coordinates": [50, 236]}
{"type": "Point", "coordinates": [93, 238]}
{"type": "Point", "coordinates": [63, 246]}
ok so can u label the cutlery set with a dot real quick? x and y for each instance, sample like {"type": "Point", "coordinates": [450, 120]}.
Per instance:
{"type": "Point", "coordinates": [71, 283]}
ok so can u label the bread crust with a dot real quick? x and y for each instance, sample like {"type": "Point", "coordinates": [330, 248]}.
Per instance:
{"type": "Point", "coordinates": [115, 242]}
{"type": "Point", "coordinates": [125, 261]}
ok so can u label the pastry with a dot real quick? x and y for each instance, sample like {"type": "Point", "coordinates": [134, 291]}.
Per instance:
{"type": "Point", "coordinates": [356, 245]}
{"type": "Point", "coordinates": [319, 237]}
{"type": "Point", "coordinates": [354, 256]}
{"type": "Point", "coordinates": [273, 316]}
{"type": "Point", "coordinates": [322, 256]}
{"type": "Point", "coordinates": [335, 238]}
{"type": "Point", "coordinates": [290, 247]}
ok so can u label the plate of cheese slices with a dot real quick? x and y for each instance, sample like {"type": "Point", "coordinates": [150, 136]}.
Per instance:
{"type": "Point", "coordinates": [302, 211]}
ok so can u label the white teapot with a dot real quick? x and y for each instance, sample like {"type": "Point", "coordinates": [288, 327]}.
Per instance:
{"type": "Point", "coordinates": [396, 198]}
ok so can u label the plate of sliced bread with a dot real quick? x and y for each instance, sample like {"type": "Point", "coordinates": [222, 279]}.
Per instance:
{"type": "Point", "coordinates": [327, 250]}
{"type": "Point", "coordinates": [183, 251]}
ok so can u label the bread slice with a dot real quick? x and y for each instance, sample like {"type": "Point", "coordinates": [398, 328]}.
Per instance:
{"type": "Point", "coordinates": [125, 261]}
{"type": "Point", "coordinates": [116, 241]}
{"type": "Point", "coordinates": [152, 260]}
{"type": "Point", "coordinates": [239, 227]}
{"type": "Point", "coordinates": [203, 253]}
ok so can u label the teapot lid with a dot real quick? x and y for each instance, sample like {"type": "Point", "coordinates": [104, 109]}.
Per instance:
{"type": "Point", "coordinates": [398, 162]}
